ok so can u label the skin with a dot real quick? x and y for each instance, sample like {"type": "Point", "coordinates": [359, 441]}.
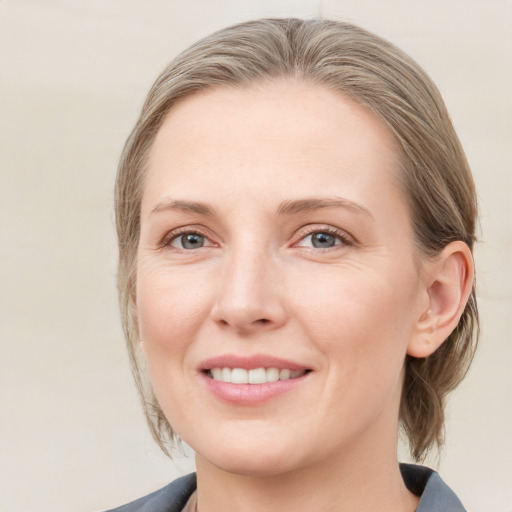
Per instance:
{"type": "Point", "coordinates": [257, 285]}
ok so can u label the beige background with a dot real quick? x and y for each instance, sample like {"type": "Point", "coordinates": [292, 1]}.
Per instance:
{"type": "Point", "coordinates": [73, 75]}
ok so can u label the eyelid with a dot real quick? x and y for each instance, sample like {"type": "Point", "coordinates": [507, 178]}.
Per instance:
{"type": "Point", "coordinates": [346, 238]}
{"type": "Point", "coordinates": [185, 230]}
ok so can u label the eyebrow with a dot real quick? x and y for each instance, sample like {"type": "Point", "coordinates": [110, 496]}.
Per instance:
{"type": "Point", "coordinates": [317, 203]}
{"type": "Point", "coordinates": [289, 207]}
{"type": "Point", "coordinates": [186, 206]}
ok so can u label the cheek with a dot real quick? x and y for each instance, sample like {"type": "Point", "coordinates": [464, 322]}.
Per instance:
{"type": "Point", "coordinates": [170, 311]}
{"type": "Point", "coordinates": [170, 308]}
{"type": "Point", "coordinates": [359, 317]}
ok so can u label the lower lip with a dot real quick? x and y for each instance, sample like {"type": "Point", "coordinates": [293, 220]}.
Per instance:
{"type": "Point", "coordinates": [251, 394]}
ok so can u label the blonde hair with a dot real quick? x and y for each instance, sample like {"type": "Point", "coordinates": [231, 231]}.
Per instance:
{"type": "Point", "coordinates": [435, 175]}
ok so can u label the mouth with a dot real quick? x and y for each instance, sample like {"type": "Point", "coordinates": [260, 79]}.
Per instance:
{"type": "Point", "coordinates": [251, 380]}
{"type": "Point", "coordinates": [260, 375]}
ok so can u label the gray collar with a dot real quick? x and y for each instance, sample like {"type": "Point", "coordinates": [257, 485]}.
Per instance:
{"type": "Point", "coordinates": [436, 496]}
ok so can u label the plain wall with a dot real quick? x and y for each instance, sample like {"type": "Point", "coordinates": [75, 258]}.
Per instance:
{"type": "Point", "coordinates": [73, 75]}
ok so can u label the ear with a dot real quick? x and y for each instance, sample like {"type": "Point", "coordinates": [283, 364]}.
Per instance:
{"type": "Point", "coordinates": [448, 281]}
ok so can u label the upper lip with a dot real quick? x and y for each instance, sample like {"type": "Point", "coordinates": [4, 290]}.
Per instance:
{"type": "Point", "coordinates": [250, 362]}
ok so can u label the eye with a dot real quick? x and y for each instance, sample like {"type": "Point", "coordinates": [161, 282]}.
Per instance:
{"type": "Point", "coordinates": [320, 240]}
{"type": "Point", "coordinates": [188, 241]}
{"type": "Point", "coordinates": [324, 239]}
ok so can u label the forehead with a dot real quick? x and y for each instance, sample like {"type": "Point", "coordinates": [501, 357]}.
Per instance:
{"type": "Point", "coordinates": [278, 136]}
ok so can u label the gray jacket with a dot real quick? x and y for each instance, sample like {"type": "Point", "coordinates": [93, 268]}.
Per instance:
{"type": "Point", "coordinates": [436, 496]}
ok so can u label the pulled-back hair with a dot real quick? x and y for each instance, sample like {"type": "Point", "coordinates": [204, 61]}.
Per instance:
{"type": "Point", "coordinates": [434, 174]}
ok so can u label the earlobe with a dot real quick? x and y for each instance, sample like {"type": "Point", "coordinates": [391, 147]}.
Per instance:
{"type": "Point", "coordinates": [448, 284]}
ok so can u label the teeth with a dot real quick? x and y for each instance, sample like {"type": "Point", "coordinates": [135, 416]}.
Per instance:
{"type": "Point", "coordinates": [257, 376]}
{"type": "Point", "coordinates": [254, 376]}
{"type": "Point", "coordinates": [239, 376]}
{"type": "Point", "coordinates": [272, 374]}
{"type": "Point", "coordinates": [217, 373]}
{"type": "Point", "coordinates": [285, 374]}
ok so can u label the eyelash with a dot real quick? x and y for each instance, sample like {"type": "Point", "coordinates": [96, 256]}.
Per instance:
{"type": "Point", "coordinates": [330, 230]}
{"type": "Point", "coordinates": [176, 233]}
{"type": "Point", "coordinates": [302, 234]}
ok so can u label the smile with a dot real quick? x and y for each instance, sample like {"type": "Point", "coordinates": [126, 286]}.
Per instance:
{"type": "Point", "coordinates": [253, 376]}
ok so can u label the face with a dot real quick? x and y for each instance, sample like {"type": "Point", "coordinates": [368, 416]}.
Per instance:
{"type": "Point", "coordinates": [277, 288]}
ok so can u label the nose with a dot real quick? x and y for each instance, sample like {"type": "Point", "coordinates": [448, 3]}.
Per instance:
{"type": "Point", "coordinates": [250, 294]}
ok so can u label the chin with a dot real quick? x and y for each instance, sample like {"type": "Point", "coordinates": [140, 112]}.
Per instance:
{"type": "Point", "coordinates": [249, 459]}
{"type": "Point", "coordinates": [246, 465]}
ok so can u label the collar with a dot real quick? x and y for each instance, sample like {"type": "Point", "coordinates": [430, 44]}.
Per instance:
{"type": "Point", "coordinates": [435, 494]}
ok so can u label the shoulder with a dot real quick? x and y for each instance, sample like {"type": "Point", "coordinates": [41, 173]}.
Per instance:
{"type": "Point", "coordinates": [435, 494]}
{"type": "Point", "coordinates": [171, 498]}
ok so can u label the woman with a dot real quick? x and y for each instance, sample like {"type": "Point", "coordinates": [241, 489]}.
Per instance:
{"type": "Point", "coordinates": [296, 218]}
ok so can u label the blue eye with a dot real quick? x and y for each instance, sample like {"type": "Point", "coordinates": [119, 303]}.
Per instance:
{"type": "Point", "coordinates": [189, 241]}
{"type": "Point", "coordinates": [323, 240]}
